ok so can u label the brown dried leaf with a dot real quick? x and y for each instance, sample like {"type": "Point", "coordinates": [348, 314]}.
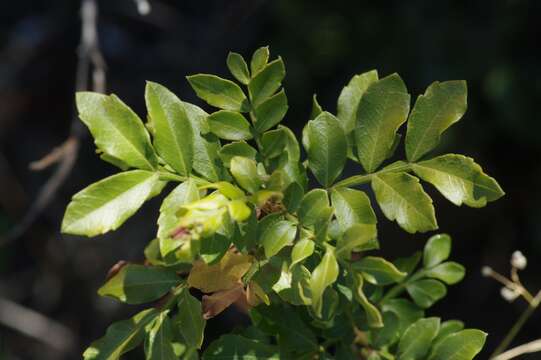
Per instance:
{"type": "Point", "coordinates": [221, 300]}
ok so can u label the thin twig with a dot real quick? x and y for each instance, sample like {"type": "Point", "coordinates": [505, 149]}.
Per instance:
{"type": "Point", "coordinates": [37, 326]}
{"type": "Point", "coordinates": [89, 56]}
{"type": "Point", "coordinates": [527, 348]}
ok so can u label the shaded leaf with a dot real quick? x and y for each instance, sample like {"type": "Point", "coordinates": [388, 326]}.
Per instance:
{"type": "Point", "coordinates": [426, 292]}
{"type": "Point", "coordinates": [189, 320]}
{"type": "Point", "coordinates": [236, 347]}
{"type": "Point", "coordinates": [277, 236]}
{"type": "Point", "coordinates": [221, 300]}
{"type": "Point", "coordinates": [373, 315]}
{"type": "Point", "coordinates": [316, 108]}
{"type": "Point", "coordinates": [378, 271]}
{"type": "Point", "coordinates": [159, 342]}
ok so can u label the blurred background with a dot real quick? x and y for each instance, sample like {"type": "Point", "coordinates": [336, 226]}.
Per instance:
{"type": "Point", "coordinates": [494, 45]}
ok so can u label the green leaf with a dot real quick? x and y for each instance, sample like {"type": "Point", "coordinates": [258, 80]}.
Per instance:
{"type": "Point", "coordinates": [314, 207]}
{"type": "Point", "coordinates": [403, 199]}
{"type": "Point", "coordinates": [238, 148]}
{"type": "Point", "coordinates": [406, 311]}
{"type": "Point", "coordinates": [277, 236]}
{"type": "Point", "coordinates": [325, 143]}
{"type": "Point", "coordinates": [244, 171]}
{"type": "Point", "coordinates": [298, 290]}
{"type": "Point", "coordinates": [159, 342]}
{"type": "Point", "coordinates": [189, 319]}
{"type": "Point", "coordinates": [173, 134]}
{"type": "Point", "coordinates": [270, 112]}
{"type": "Point", "coordinates": [359, 237]}
{"type": "Point", "coordinates": [449, 272]}
{"type": "Point", "coordinates": [116, 129]}
{"type": "Point", "coordinates": [259, 59]}
{"type": "Point", "coordinates": [226, 188]}
{"type": "Point", "coordinates": [324, 275]}
{"type": "Point", "coordinates": [437, 249]}
{"type": "Point", "coordinates": [442, 105]}
{"type": "Point", "coordinates": [138, 284]}
{"type": "Point", "coordinates": [415, 343]}
{"type": "Point", "coordinates": [373, 315]}
{"type": "Point", "coordinates": [265, 83]}
{"type": "Point", "coordinates": [382, 109]}
{"type": "Point", "coordinates": [293, 196]}
{"type": "Point", "coordinates": [426, 292]}
{"type": "Point", "coordinates": [348, 101]}
{"type": "Point", "coordinates": [229, 125]}
{"type": "Point", "coordinates": [238, 67]}
{"type": "Point", "coordinates": [205, 160]}
{"type": "Point", "coordinates": [408, 264]}
{"type": "Point", "coordinates": [352, 207]}
{"type": "Point", "coordinates": [388, 334]}
{"type": "Point", "coordinates": [236, 347]}
{"type": "Point", "coordinates": [447, 328]}
{"type": "Point", "coordinates": [106, 204]}
{"type": "Point", "coordinates": [459, 179]}
{"type": "Point", "coordinates": [238, 210]}
{"type": "Point", "coordinates": [273, 143]}
{"type": "Point", "coordinates": [302, 250]}
{"type": "Point", "coordinates": [120, 337]}
{"type": "Point", "coordinates": [316, 108]}
{"type": "Point", "coordinates": [214, 247]}
{"type": "Point", "coordinates": [378, 271]}
{"type": "Point", "coordinates": [184, 193]}
{"type": "Point", "coordinates": [463, 345]}
{"type": "Point", "coordinates": [222, 93]}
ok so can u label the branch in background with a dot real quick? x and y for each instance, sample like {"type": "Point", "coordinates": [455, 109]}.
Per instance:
{"type": "Point", "coordinates": [90, 57]}
{"type": "Point", "coordinates": [37, 326]}
{"type": "Point", "coordinates": [527, 348]}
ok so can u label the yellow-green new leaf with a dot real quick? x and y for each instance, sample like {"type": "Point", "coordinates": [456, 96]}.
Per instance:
{"type": "Point", "coordinates": [259, 59]}
{"type": "Point", "coordinates": [120, 337]}
{"type": "Point", "coordinates": [403, 199]}
{"type": "Point", "coordinates": [238, 148]}
{"type": "Point", "coordinates": [462, 345]}
{"type": "Point", "coordinates": [373, 315]}
{"type": "Point", "coordinates": [238, 67]}
{"type": "Point", "coordinates": [244, 171]}
{"type": "Point", "coordinates": [189, 319]}
{"type": "Point", "coordinates": [277, 236]}
{"type": "Point", "coordinates": [159, 344]}
{"type": "Point", "coordinates": [351, 95]}
{"type": "Point", "coordinates": [416, 341]}
{"type": "Point", "coordinates": [323, 276]}
{"type": "Point", "coordinates": [229, 125]}
{"type": "Point", "coordinates": [442, 105]}
{"type": "Point", "coordinates": [301, 250]}
{"type": "Point", "coordinates": [378, 271]}
{"type": "Point", "coordinates": [265, 83]}
{"type": "Point", "coordinates": [183, 194]}
{"type": "Point", "coordinates": [222, 93]}
{"type": "Point", "coordinates": [116, 129]}
{"type": "Point", "coordinates": [138, 284]}
{"type": "Point", "coordinates": [382, 109]}
{"type": "Point", "coordinates": [459, 179]}
{"type": "Point", "coordinates": [173, 134]}
{"type": "Point", "coordinates": [106, 204]}
{"type": "Point", "coordinates": [326, 145]}
{"type": "Point", "coordinates": [352, 207]}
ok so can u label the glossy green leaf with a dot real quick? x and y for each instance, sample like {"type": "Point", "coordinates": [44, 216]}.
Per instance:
{"type": "Point", "coordinates": [373, 315]}
{"type": "Point", "coordinates": [293, 197]}
{"type": "Point", "coordinates": [403, 199]}
{"type": "Point", "coordinates": [222, 93]}
{"type": "Point", "coordinates": [449, 272]}
{"type": "Point", "coordinates": [447, 328]}
{"type": "Point", "coordinates": [227, 189]}
{"type": "Point", "coordinates": [359, 237]}
{"type": "Point", "coordinates": [348, 101]}
{"type": "Point", "coordinates": [277, 236]}
{"type": "Point", "coordinates": [116, 129]}
{"type": "Point", "coordinates": [325, 143]}
{"type": "Point", "coordinates": [459, 179]}
{"type": "Point", "coordinates": [273, 143]}
{"type": "Point", "coordinates": [265, 83]}
{"type": "Point", "coordinates": [442, 105]}
{"type": "Point", "coordinates": [297, 291]}
{"type": "Point", "coordinates": [426, 292]}
{"type": "Point", "coordinates": [238, 148]}
{"type": "Point", "coordinates": [184, 193]}
{"type": "Point", "coordinates": [378, 271]}
{"type": "Point", "coordinates": [301, 250]}
{"type": "Point", "coordinates": [352, 207]}
{"type": "Point", "coordinates": [214, 247]}
{"type": "Point", "coordinates": [244, 171]}
{"type": "Point", "coordinates": [270, 112]}
{"type": "Point", "coordinates": [463, 345]}
{"type": "Point", "coordinates": [437, 250]}
{"type": "Point", "coordinates": [229, 125]}
{"type": "Point", "coordinates": [189, 319]}
{"type": "Point", "coordinates": [406, 311]}
{"type": "Point", "coordinates": [238, 67]}
{"type": "Point", "coordinates": [173, 134]}
{"type": "Point", "coordinates": [389, 333]}
{"type": "Point", "coordinates": [236, 347]}
{"type": "Point", "coordinates": [259, 59]}
{"type": "Point", "coordinates": [416, 341]}
{"type": "Point", "coordinates": [106, 204]}
{"type": "Point", "coordinates": [313, 207]}
{"type": "Point", "coordinates": [323, 276]}
{"type": "Point", "coordinates": [383, 108]}
{"type": "Point", "coordinates": [159, 343]}
{"type": "Point", "coordinates": [120, 337]}
{"type": "Point", "coordinates": [408, 264]}
{"type": "Point", "coordinates": [316, 108]}
{"type": "Point", "coordinates": [138, 284]}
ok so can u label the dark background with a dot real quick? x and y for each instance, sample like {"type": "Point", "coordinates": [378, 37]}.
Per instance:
{"type": "Point", "coordinates": [494, 45]}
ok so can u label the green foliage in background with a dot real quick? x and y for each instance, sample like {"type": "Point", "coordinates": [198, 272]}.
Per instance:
{"type": "Point", "coordinates": [242, 226]}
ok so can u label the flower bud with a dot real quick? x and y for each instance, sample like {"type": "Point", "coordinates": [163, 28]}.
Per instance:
{"type": "Point", "coordinates": [518, 260]}
{"type": "Point", "coordinates": [508, 294]}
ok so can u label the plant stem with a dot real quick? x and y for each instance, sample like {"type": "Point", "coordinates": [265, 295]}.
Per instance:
{"type": "Point", "coordinates": [366, 178]}
{"type": "Point", "coordinates": [399, 288]}
{"type": "Point", "coordinates": [518, 325]}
